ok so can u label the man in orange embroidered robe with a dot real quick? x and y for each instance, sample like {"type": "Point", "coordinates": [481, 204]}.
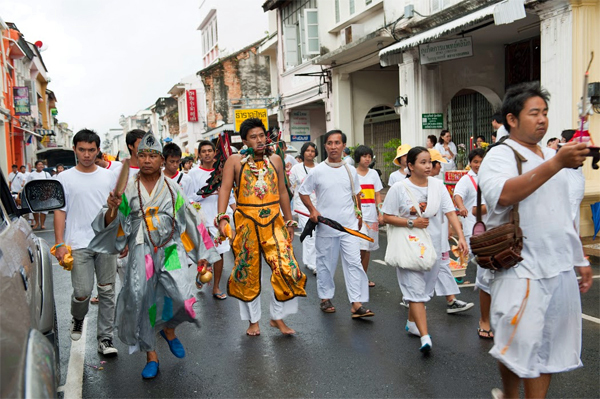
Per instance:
{"type": "Point", "coordinates": [260, 193]}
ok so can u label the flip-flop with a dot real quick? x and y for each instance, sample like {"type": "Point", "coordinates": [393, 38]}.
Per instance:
{"type": "Point", "coordinates": [220, 296]}
{"type": "Point", "coordinates": [199, 284]}
{"type": "Point", "coordinates": [327, 306]}
{"type": "Point", "coordinates": [371, 284]}
{"type": "Point", "coordinates": [362, 312]}
{"type": "Point", "coordinates": [485, 334]}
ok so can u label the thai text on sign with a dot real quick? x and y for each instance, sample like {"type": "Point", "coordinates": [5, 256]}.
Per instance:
{"type": "Point", "coordinates": [243, 114]}
{"type": "Point", "coordinates": [445, 50]}
{"type": "Point", "coordinates": [192, 105]}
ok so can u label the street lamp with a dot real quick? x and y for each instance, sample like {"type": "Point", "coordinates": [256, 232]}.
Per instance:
{"type": "Point", "coordinates": [400, 102]}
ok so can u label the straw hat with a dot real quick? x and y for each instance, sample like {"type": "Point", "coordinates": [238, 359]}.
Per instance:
{"type": "Point", "coordinates": [436, 156]}
{"type": "Point", "coordinates": [400, 152]}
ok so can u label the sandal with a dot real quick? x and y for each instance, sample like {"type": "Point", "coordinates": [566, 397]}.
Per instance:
{"type": "Point", "coordinates": [327, 306]}
{"type": "Point", "coordinates": [486, 334]}
{"type": "Point", "coordinates": [199, 284]}
{"type": "Point", "coordinates": [371, 284]}
{"type": "Point", "coordinates": [362, 312]}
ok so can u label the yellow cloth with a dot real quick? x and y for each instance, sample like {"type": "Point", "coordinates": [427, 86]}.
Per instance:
{"type": "Point", "coordinates": [67, 262]}
{"type": "Point", "coordinates": [260, 228]}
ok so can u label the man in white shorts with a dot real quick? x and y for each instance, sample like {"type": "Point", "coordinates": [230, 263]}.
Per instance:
{"type": "Point", "coordinates": [536, 306]}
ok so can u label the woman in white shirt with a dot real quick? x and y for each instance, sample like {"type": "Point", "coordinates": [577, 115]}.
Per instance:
{"type": "Point", "coordinates": [447, 148]}
{"type": "Point", "coordinates": [398, 210]}
{"type": "Point", "coordinates": [298, 173]}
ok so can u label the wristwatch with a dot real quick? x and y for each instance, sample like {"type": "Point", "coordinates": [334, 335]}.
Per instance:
{"type": "Point", "coordinates": [410, 224]}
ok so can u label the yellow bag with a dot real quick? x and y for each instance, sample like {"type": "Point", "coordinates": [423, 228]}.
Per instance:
{"type": "Point", "coordinates": [67, 262]}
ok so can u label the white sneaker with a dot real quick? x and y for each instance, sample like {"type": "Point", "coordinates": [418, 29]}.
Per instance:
{"type": "Point", "coordinates": [497, 394]}
{"type": "Point", "coordinates": [404, 303]}
{"type": "Point", "coordinates": [106, 347]}
{"type": "Point", "coordinates": [458, 306]}
{"type": "Point", "coordinates": [426, 344]}
{"type": "Point", "coordinates": [76, 329]}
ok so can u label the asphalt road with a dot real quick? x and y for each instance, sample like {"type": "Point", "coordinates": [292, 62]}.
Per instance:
{"type": "Point", "coordinates": [331, 356]}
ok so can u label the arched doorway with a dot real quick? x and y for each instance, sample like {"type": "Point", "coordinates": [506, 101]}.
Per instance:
{"type": "Point", "coordinates": [470, 114]}
{"type": "Point", "coordinates": [381, 125]}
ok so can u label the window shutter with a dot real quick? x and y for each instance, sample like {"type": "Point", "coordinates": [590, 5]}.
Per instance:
{"type": "Point", "coordinates": [311, 18]}
{"type": "Point", "coordinates": [291, 45]}
{"type": "Point", "coordinates": [302, 35]}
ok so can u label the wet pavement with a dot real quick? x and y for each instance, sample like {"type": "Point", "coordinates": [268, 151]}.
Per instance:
{"type": "Point", "coordinates": [331, 356]}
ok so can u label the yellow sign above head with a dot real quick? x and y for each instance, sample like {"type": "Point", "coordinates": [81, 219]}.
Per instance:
{"type": "Point", "coordinates": [243, 114]}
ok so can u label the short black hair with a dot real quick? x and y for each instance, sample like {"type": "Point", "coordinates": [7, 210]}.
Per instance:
{"type": "Point", "coordinates": [568, 134]}
{"type": "Point", "coordinates": [497, 117]}
{"type": "Point", "coordinates": [133, 136]}
{"type": "Point", "coordinates": [412, 155]}
{"type": "Point", "coordinates": [432, 138]}
{"type": "Point", "coordinates": [360, 151]}
{"type": "Point", "coordinates": [482, 137]}
{"type": "Point", "coordinates": [332, 132]}
{"type": "Point", "coordinates": [442, 134]}
{"type": "Point", "coordinates": [38, 161]}
{"type": "Point", "coordinates": [86, 136]}
{"type": "Point", "coordinates": [517, 95]}
{"type": "Point", "coordinates": [477, 152]}
{"type": "Point", "coordinates": [249, 124]}
{"type": "Point", "coordinates": [305, 147]}
{"type": "Point", "coordinates": [551, 140]}
{"type": "Point", "coordinates": [15, 166]}
{"type": "Point", "coordinates": [59, 164]}
{"type": "Point", "coordinates": [206, 142]}
{"type": "Point", "coordinates": [171, 150]}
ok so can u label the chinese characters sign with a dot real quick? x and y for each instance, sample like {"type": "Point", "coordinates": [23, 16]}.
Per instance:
{"type": "Point", "coordinates": [192, 106]}
{"type": "Point", "coordinates": [22, 106]}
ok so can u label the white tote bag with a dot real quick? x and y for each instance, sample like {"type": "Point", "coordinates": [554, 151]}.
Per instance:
{"type": "Point", "coordinates": [410, 249]}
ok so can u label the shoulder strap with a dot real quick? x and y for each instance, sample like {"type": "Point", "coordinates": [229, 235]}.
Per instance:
{"type": "Point", "coordinates": [14, 177]}
{"type": "Point", "coordinates": [180, 177]}
{"type": "Point", "coordinates": [412, 198]}
{"type": "Point", "coordinates": [472, 181]}
{"type": "Point", "coordinates": [351, 185]}
{"type": "Point", "coordinates": [515, 210]}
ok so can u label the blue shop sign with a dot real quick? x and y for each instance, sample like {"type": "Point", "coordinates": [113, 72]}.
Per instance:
{"type": "Point", "coordinates": [300, 137]}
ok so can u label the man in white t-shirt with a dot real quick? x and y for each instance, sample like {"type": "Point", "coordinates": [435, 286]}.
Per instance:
{"type": "Point", "coordinates": [199, 177]}
{"type": "Point", "coordinates": [132, 139]}
{"type": "Point", "coordinates": [172, 156]}
{"type": "Point", "coordinates": [87, 186]}
{"type": "Point", "coordinates": [465, 192]}
{"type": "Point", "coordinates": [12, 175]}
{"type": "Point", "coordinates": [39, 174]}
{"type": "Point", "coordinates": [536, 307]}
{"type": "Point", "coordinates": [110, 165]}
{"type": "Point", "coordinates": [337, 187]}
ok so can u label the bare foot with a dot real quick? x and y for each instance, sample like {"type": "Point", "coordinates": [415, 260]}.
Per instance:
{"type": "Point", "coordinates": [253, 330]}
{"type": "Point", "coordinates": [285, 330]}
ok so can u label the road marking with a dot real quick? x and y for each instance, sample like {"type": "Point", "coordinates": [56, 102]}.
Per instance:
{"type": "Point", "coordinates": [73, 387]}
{"type": "Point", "coordinates": [381, 262]}
{"type": "Point", "coordinates": [298, 234]}
{"type": "Point", "coordinates": [590, 318]}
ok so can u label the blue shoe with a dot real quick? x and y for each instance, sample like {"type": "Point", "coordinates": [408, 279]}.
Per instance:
{"type": "Point", "coordinates": [425, 348]}
{"type": "Point", "coordinates": [150, 370]}
{"type": "Point", "coordinates": [175, 346]}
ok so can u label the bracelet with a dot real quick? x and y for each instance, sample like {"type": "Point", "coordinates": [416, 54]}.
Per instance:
{"type": "Point", "coordinates": [291, 223]}
{"type": "Point", "coordinates": [59, 245]}
{"type": "Point", "coordinates": [219, 217]}
{"type": "Point", "coordinates": [358, 213]}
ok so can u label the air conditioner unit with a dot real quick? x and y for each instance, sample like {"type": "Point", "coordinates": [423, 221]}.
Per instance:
{"type": "Point", "coordinates": [351, 33]}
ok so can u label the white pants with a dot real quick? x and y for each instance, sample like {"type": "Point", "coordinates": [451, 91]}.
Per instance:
{"type": "Point", "coordinates": [279, 310]}
{"type": "Point", "coordinates": [446, 284]}
{"type": "Point", "coordinates": [482, 281]}
{"type": "Point", "coordinates": [309, 252]}
{"type": "Point", "coordinates": [547, 338]}
{"type": "Point", "coordinates": [328, 250]}
{"type": "Point", "coordinates": [418, 286]}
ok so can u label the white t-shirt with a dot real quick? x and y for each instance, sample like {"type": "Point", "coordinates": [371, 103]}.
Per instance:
{"type": "Point", "coordinates": [467, 191]}
{"type": "Point", "coordinates": [398, 203]}
{"type": "Point", "coordinates": [85, 195]}
{"type": "Point", "coordinates": [198, 178]}
{"type": "Point", "coordinates": [395, 177]}
{"type": "Point", "coordinates": [551, 244]}
{"type": "Point", "coordinates": [369, 185]}
{"type": "Point", "coordinates": [501, 132]}
{"type": "Point", "coordinates": [450, 165]}
{"type": "Point", "coordinates": [16, 182]}
{"type": "Point", "coordinates": [114, 165]}
{"type": "Point", "coordinates": [35, 175]}
{"type": "Point", "coordinates": [12, 175]}
{"type": "Point", "coordinates": [185, 182]}
{"type": "Point", "coordinates": [349, 160]}
{"type": "Point", "coordinates": [297, 176]}
{"type": "Point", "coordinates": [290, 161]}
{"type": "Point", "coordinates": [334, 196]}
{"type": "Point", "coordinates": [133, 170]}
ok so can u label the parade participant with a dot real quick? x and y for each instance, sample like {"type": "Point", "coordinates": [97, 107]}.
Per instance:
{"type": "Point", "coordinates": [433, 200]}
{"type": "Point", "coordinates": [15, 180]}
{"type": "Point", "coordinates": [576, 182]}
{"type": "Point", "coordinates": [370, 203]}
{"type": "Point", "coordinates": [552, 143]}
{"type": "Point", "coordinates": [348, 157]}
{"type": "Point", "coordinates": [188, 162]}
{"type": "Point", "coordinates": [336, 187]}
{"type": "Point", "coordinates": [199, 178]}
{"type": "Point", "coordinates": [536, 307]}
{"type": "Point", "coordinates": [498, 126]}
{"type": "Point", "coordinates": [132, 140]}
{"type": "Point", "coordinates": [494, 137]}
{"type": "Point", "coordinates": [400, 161]}
{"type": "Point", "coordinates": [153, 218]}
{"type": "Point", "coordinates": [260, 228]}
{"type": "Point", "coordinates": [298, 174]}
{"type": "Point", "coordinates": [480, 140]}
{"type": "Point", "coordinates": [172, 157]}
{"type": "Point", "coordinates": [465, 192]}
{"type": "Point", "coordinates": [12, 175]}
{"type": "Point", "coordinates": [60, 168]}
{"type": "Point", "coordinates": [431, 142]}
{"type": "Point", "coordinates": [290, 161]}
{"type": "Point", "coordinates": [110, 165]}
{"type": "Point", "coordinates": [39, 174]}
{"type": "Point", "coordinates": [86, 187]}
{"type": "Point", "coordinates": [447, 148]}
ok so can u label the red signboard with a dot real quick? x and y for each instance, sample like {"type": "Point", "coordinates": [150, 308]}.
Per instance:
{"type": "Point", "coordinates": [192, 106]}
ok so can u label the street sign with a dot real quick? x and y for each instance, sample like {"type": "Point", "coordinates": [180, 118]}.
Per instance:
{"type": "Point", "coordinates": [300, 123]}
{"type": "Point", "coordinates": [243, 114]}
{"type": "Point", "coordinates": [433, 121]}
{"type": "Point", "coordinates": [300, 137]}
{"type": "Point", "coordinates": [445, 50]}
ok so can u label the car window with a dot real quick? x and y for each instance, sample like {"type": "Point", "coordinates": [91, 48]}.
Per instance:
{"type": "Point", "coordinates": [8, 202]}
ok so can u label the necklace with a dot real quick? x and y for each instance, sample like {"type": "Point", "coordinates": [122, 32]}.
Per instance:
{"type": "Point", "coordinates": [142, 208]}
{"type": "Point", "coordinates": [260, 187]}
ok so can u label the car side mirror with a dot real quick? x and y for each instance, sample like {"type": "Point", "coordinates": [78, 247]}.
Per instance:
{"type": "Point", "coordinates": [44, 195]}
